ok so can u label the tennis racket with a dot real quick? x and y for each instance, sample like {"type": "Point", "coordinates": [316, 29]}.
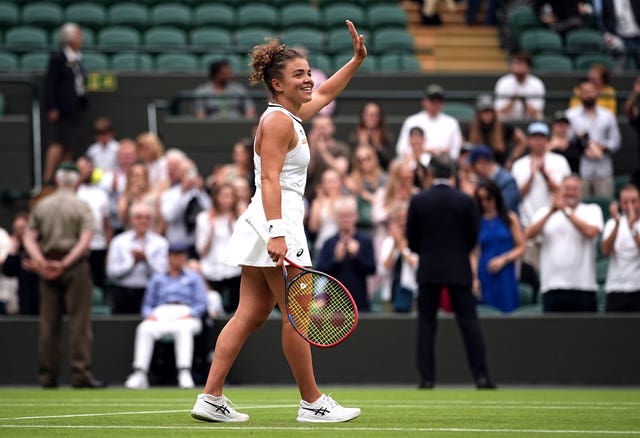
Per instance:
{"type": "Point", "coordinates": [319, 307]}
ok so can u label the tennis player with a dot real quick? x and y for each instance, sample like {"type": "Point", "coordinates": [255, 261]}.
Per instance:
{"type": "Point", "coordinates": [281, 157]}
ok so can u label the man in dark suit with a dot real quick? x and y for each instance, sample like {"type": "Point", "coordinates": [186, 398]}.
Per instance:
{"type": "Point", "coordinates": [626, 30]}
{"type": "Point", "coordinates": [65, 100]}
{"type": "Point", "coordinates": [442, 228]}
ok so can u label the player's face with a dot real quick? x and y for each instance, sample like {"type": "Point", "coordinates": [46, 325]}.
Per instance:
{"type": "Point", "coordinates": [297, 83]}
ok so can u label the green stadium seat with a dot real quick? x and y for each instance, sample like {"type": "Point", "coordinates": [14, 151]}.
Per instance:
{"type": "Point", "coordinates": [98, 307]}
{"type": "Point", "coordinates": [93, 61]}
{"type": "Point", "coordinates": [381, 15]}
{"type": "Point", "coordinates": [370, 64]}
{"type": "Point", "coordinates": [90, 15]}
{"type": "Point", "coordinates": [129, 14]}
{"type": "Point", "coordinates": [8, 62]}
{"type": "Point", "coordinates": [584, 40]}
{"type": "Point", "coordinates": [339, 40]}
{"type": "Point", "coordinates": [258, 14]}
{"type": "Point", "coordinates": [461, 111]}
{"type": "Point", "coordinates": [300, 15]}
{"type": "Point", "coordinates": [43, 14]}
{"type": "Point", "coordinates": [116, 38]}
{"type": "Point", "coordinates": [398, 62]}
{"type": "Point", "coordinates": [171, 14]}
{"type": "Point", "coordinates": [8, 15]}
{"type": "Point", "coordinates": [249, 37]}
{"type": "Point", "coordinates": [525, 294]}
{"type": "Point", "coordinates": [237, 62]}
{"type": "Point", "coordinates": [537, 41]}
{"type": "Point", "coordinates": [321, 62]}
{"type": "Point", "coordinates": [164, 37]}
{"type": "Point", "coordinates": [131, 62]}
{"type": "Point", "coordinates": [396, 40]}
{"type": "Point", "coordinates": [176, 62]}
{"type": "Point", "coordinates": [602, 266]}
{"type": "Point", "coordinates": [207, 39]}
{"type": "Point", "coordinates": [216, 14]}
{"type": "Point", "coordinates": [552, 63]}
{"type": "Point", "coordinates": [334, 15]}
{"type": "Point", "coordinates": [602, 202]}
{"type": "Point", "coordinates": [585, 61]}
{"type": "Point", "coordinates": [311, 39]}
{"type": "Point", "coordinates": [619, 182]}
{"type": "Point", "coordinates": [520, 19]}
{"type": "Point", "coordinates": [2, 104]}
{"type": "Point", "coordinates": [25, 38]}
{"type": "Point", "coordinates": [88, 37]}
{"type": "Point", "coordinates": [34, 61]}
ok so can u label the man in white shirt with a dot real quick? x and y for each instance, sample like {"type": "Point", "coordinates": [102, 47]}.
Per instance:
{"type": "Point", "coordinates": [519, 94]}
{"type": "Point", "coordinates": [603, 139]}
{"type": "Point", "coordinates": [621, 242]}
{"type": "Point", "coordinates": [104, 152]}
{"type": "Point", "coordinates": [442, 132]}
{"type": "Point", "coordinates": [568, 231]}
{"type": "Point", "coordinates": [134, 256]}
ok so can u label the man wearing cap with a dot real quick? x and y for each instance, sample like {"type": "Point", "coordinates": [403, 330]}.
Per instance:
{"type": "Point", "coordinates": [58, 237]}
{"type": "Point", "coordinates": [483, 164]}
{"type": "Point", "coordinates": [519, 94]}
{"type": "Point", "coordinates": [442, 132]}
{"type": "Point", "coordinates": [600, 127]}
{"type": "Point", "coordinates": [173, 305]}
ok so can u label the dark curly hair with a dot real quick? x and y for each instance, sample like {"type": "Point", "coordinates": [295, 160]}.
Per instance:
{"type": "Point", "coordinates": [268, 61]}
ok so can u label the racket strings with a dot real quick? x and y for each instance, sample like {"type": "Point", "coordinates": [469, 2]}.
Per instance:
{"type": "Point", "coordinates": [320, 308]}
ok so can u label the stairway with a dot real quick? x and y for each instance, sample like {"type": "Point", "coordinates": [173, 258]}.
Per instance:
{"type": "Point", "coordinates": [455, 46]}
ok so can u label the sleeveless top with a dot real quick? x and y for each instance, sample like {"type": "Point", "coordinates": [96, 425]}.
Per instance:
{"type": "Point", "coordinates": [293, 176]}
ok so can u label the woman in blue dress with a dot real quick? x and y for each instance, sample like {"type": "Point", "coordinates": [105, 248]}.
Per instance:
{"type": "Point", "coordinates": [501, 243]}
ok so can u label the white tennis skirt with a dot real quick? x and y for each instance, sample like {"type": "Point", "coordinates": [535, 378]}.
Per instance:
{"type": "Point", "coordinates": [245, 247]}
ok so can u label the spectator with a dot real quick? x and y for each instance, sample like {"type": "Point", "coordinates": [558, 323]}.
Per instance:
{"type": "Point", "coordinates": [466, 178]}
{"type": "Point", "coordinates": [486, 168]}
{"type": "Point", "coordinates": [8, 285]}
{"type": "Point", "coordinates": [134, 256]}
{"type": "Point", "coordinates": [175, 162]}
{"type": "Point", "coordinates": [174, 303]}
{"type": "Point", "coordinates": [65, 100]}
{"type": "Point", "coordinates": [419, 159]}
{"type": "Point", "coordinates": [372, 130]}
{"type": "Point", "coordinates": [632, 110]}
{"type": "Point", "coordinates": [398, 189]}
{"type": "Point", "coordinates": [138, 189]}
{"type": "Point", "coordinates": [104, 152]}
{"type": "Point", "coordinates": [221, 98]}
{"type": "Point", "coordinates": [322, 221]}
{"type": "Point", "coordinates": [490, 13]}
{"type": "Point", "coordinates": [19, 265]}
{"type": "Point", "coordinates": [242, 165]}
{"type": "Point", "coordinates": [243, 193]}
{"type": "Point", "coordinates": [508, 143]}
{"type": "Point", "coordinates": [442, 217]}
{"type": "Point", "coordinates": [98, 201]}
{"type": "Point", "coordinates": [180, 205]}
{"type": "Point", "coordinates": [58, 237]}
{"type": "Point", "coordinates": [429, 11]}
{"type": "Point", "coordinates": [213, 230]}
{"type": "Point", "coordinates": [621, 242]}
{"type": "Point", "coordinates": [621, 20]}
{"type": "Point", "coordinates": [397, 264]}
{"type": "Point", "coordinates": [519, 94]}
{"type": "Point", "coordinates": [603, 139]}
{"type": "Point", "coordinates": [442, 132]}
{"type": "Point", "coordinates": [348, 255]}
{"type": "Point", "coordinates": [151, 152]}
{"type": "Point", "coordinates": [565, 144]}
{"type": "Point", "coordinates": [568, 230]}
{"type": "Point", "coordinates": [501, 243]}
{"type": "Point", "coordinates": [563, 15]}
{"type": "Point", "coordinates": [600, 76]}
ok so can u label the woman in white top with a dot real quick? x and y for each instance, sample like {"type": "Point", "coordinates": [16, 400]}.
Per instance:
{"type": "Point", "coordinates": [281, 157]}
{"type": "Point", "coordinates": [213, 230]}
{"type": "Point", "coordinates": [323, 221]}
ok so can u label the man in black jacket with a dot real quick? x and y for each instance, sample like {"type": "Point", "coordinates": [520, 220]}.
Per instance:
{"type": "Point", "coordinates": [442, 227]}
{"type": "Point", "coordinates": [627, 29]}
{"type": "Point", "coordinates": [65, 100]}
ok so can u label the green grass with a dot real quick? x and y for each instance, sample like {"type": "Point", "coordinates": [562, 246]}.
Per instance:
{"type": "Point", "coordinates": [386, 412]}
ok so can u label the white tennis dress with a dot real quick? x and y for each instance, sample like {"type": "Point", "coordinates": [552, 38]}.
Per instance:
{"type": "Point", "coordinates": [245, 247]}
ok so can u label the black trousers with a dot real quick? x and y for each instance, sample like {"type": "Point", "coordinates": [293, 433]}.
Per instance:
{"type": "Point", "coordinates": [569, 300]}
{"type": "Point", "coordinates": [623, 302]}
{"type": "Point", "coordinates": [464, 307]}
{"type": "Point", "coordinates": [126, 300]}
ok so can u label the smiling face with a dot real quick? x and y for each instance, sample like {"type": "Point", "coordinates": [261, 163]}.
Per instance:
{"type": "Point", "coordinates": [295, 83]}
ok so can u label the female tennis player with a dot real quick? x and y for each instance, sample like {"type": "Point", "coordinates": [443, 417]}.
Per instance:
{"type": "Point", "coordinates": [281, 157]}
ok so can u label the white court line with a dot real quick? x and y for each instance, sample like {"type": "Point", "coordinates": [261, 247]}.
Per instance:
{"type": "Point", "coordinates": [314, 428]}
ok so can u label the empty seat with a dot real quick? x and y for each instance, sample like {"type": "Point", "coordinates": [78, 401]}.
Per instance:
{"type": "Point", "coordinates": [25, 38]}
{"type": "Point", "coordinates": [369, 65]}
{"type": "Point", "coordinates": [520, 19]}
{"type": "Point", "coordinates": [300, 15]}
{"type": "Point", "coordinates": [42, 14]}
{"type": "Point", "coordinates": [552, 63]}
{"type": "Point", "coordinates": [584, 40]}
{"type": "Point", "coordinates": [321, 62]}
{"type": "Point", "coordinates": [218, 15]}
{"type": "Point", "coordinates": [171, 14]}
{"type": "Point", "coordinates": [247, 38]}
{"type": "Point", "coordinates": [386, 15]}
{"type": "Point", "coordinates": [163, 37]}
{"type": "Point", "coordinates": [339, 40]}
{"type": "Point", "coordinates": [585, 61]}
{"type": "Point", "coordinates": [91, 15]}
{"type": "Point", "coordinates": [128, 14]}
{"type": "Point", "coordinates": [335, 15]}
{"type": "Point", "coordinates": [131, 62]}
{"type": "Point", "coordinates": [8, 15]}
{"type": "Point", "coordinates": [311, 39]}
{"type": "Point", "coordinates": [176, 62]}
{"type": "Point", "coordinates": [258, 14]}
{"type": "Point", "coordinates": [118, 38]}
{"type": "Point", "coordinates": [95, 61]}
{"type": "Point", "coordinates": [398, 62]}
{"type": "Point", "coordinates": [207, 39]}
{"type": "Point", "coordinates": [34, 61]}
{"type": "Point", "coordinates": [537, 41]}
{"type": "Point", "coordinates": [392, 39]}
{"type": "Point", "coordinates": [8, 61]}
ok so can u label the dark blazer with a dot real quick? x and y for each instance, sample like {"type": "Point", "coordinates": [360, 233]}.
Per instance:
{"type": "Point", "coordinates": [442, 227]}
{"type": "Point", "coordinates": [609, 15]}
{"type": "Point", "coordinates": [59, 86]}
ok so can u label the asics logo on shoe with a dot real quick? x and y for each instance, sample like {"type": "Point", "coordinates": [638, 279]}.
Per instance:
{"type": "Point", "coordinates": [321, 411]}
{"type": "Point", "coordinates": [219, 408]}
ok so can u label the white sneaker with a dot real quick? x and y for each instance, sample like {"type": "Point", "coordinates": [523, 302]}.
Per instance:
{"type": "Point", "coordinates": [137, 380]}
{"type": "Point", "coordinates": [325, 410]}
{"type": "Point", "coordinates": [210, 408]}
{"type": "Point", "coordinates": [185, 380]}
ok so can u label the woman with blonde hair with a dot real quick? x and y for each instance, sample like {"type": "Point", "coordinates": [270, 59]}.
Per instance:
{"type": "Point", "coordinates": [365, 178]}
{"type": "Point", "coordinates": [151, 152]}
{"type": "Point", "coordinates": [138, 189]}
